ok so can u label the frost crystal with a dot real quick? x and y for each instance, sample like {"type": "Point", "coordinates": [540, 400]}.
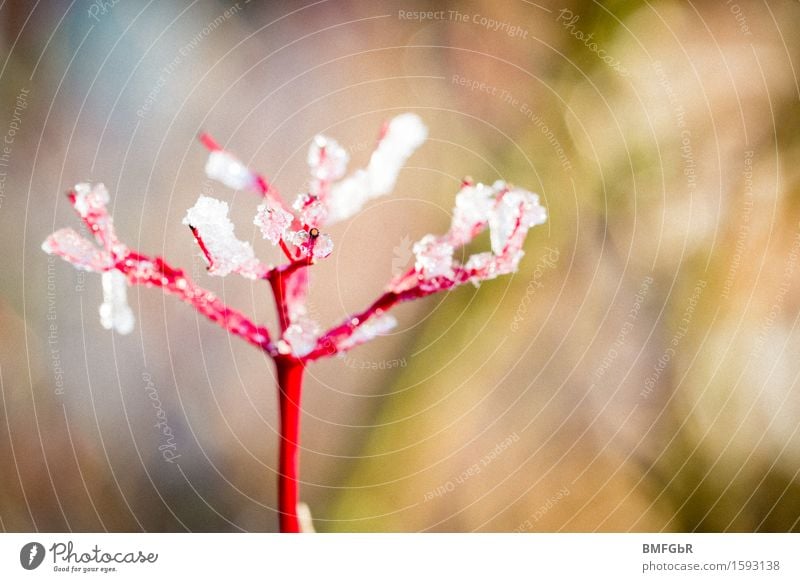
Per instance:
{"type": "Point", "coordinates": [473, 204]}
{"type": "Point", "coordinates": [90, 199]}
{"type": "Point", "coordinates": [72, 247]}
{"type": "Point", "coordinates": [314, 213]}
{"type": "Point", "coordinates": [372, 328]}
{"type": "Point", "coordinates": [434, 257]}
{"type": "Point", "coordinates": [323, 246]}
{"type": "Point", "coordinates": [115, 313]}
{"type": "Point", "coordinates": [508, 212]}
{"type": "Point", "coordinates": [273, 222]}
{"type": "Point", "coordinates": [319, 245]}
{"type": "Point", "coordinates": [479, 262]}
{"type": "Point", "coordinates": [516, 210]}
{"type": "Point", "coordinates": [327, 159]}
{"type": "Point", "coordinates": [299, 238]}
{"type": "Point", "coordinates": [404, 134]}
{"type": "Point", "coordinates": [302, 336]}
{"type": "Point", "coordinates": [502, 223]}
{"type": "Point", "coordinates": [226, 168]}
{"type": "Point", "coordinates": [349, 196]}
{"type": "Point", "coordinates": [209, 217]}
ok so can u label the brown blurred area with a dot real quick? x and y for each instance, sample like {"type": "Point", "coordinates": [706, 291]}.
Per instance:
{"type": "Point", "coordinates": [639, 373]}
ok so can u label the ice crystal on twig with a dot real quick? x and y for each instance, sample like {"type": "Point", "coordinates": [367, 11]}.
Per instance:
{"type": "Point", "coordinates": [72, 247]}
{"type": "Point", "coordinates": [115, 313]}
{"type": "Point", "coordinates": [273, 222]}
{"type": "Point", "coordinates": [302, 336]}
{"type": "Point", "coordinates": [323, 246]}
{"type": "Point", "coordinates": [376, 326]}
{"type": "Point", "coordinates": [507, 211]}
{"type": "Point", "coordinates": [403, 134]}
{"type": "Point", "coordinates": [224, 167]}
{"type": "Point", "coordinates": [224, 252]}
{"type": "Point", "coordinates": [434, 257]}
{"type": "Point", "coordinates": [327, 159]}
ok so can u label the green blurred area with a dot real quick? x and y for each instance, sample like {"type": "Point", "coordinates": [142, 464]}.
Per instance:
{"type": "Point", "coordinates": [715, 447]}
{"type": "Point", "coordinates": [639, 373]}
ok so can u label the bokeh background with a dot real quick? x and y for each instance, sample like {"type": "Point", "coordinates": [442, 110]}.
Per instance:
{"type": "Point", "coordinates": [639, 373]}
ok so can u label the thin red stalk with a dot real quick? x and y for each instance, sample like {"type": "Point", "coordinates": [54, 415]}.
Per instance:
{"type": "Point", "coordinates": [201, 244]}
{"type": "Point", "coordinates": [264, 186]}
{"type": "Point", "coordinates": [143, 270]}
{"type": "Point", "coordinates": [278, 277]}
{"type": "Point", "coordinates": [290, 382]}
{"type": "Point", "coordinates": [328, 343]}
{"type": "Point", "coordinates": [278, 284]}
{"type": "Point", "coordinates": [209, 142]}
{"type": "Point", "coordinates": [286, 250]}
{"type": "Point", "coordinates": [289, 268]}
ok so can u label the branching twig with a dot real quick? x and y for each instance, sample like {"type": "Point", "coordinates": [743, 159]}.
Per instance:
{"type": "Point", "coordinates": [506, 211]}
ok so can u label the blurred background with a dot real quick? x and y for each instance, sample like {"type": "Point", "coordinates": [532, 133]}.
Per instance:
{"type": "Point", "coordinates": [639, 373]}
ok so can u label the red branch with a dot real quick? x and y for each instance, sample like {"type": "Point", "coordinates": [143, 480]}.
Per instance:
{"type": "Point", "coordinates": [155, 272]}
{"type": "Point", "coordinates": [328, 343]}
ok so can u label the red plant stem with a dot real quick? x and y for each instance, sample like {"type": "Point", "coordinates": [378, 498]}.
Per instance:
{"type": "Point", "coordinates": [278, 284]}
{"type": "Point", "coordinates": [290, 382]}
{"type": "Point", "coordinates": [286, 250]}
{"type": "Point", "coordinates": [175, 282]}
{"type": "Point", "coordinates": [278, 277]}
{"type": "Point", "coordinates": [328, 344]}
